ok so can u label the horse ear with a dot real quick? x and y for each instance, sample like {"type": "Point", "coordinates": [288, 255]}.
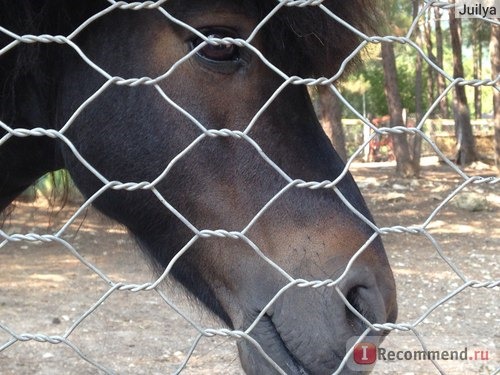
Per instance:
{"type": "Point", "coordinates": [319, 42]}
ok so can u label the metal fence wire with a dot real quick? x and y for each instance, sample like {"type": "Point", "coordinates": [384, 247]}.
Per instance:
{"type": "Point", "coordinates": [16, 338]}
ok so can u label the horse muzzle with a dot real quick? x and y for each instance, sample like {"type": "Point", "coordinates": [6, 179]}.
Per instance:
{"type": "Point", "coordinates": [307, 329]}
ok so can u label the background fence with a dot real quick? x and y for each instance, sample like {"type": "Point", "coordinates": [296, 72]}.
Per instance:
{"type": "Point", "coordinates": [473, 273]}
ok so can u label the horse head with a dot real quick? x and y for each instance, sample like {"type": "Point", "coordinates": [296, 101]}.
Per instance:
{"type": "Point", "coordinates": [205, 104]}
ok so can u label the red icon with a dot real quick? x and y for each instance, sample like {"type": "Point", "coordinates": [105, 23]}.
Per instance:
{"type": "Point", "coordinates": [365, 353]}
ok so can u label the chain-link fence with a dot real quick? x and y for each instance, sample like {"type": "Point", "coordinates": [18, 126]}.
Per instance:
{"type": "Point", "coordinates": [421, 231]}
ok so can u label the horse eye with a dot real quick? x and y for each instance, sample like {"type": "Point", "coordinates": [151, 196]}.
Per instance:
{"type": "Point", "coordinates": [217, 53]}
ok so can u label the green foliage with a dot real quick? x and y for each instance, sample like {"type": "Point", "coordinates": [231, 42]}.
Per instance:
{"type": "Point", "coordinates": [372, 73]}
{"type": "Point", "coordinates": [375, 102]}
{"type": "Point", "coordinates": [57, 186]}
{"type": "Point", "coordinates": [369, 80]}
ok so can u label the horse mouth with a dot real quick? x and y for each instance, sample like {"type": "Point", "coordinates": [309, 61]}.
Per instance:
{"type": "Point", "coordinates": [275, 346]}
{"type": "Point", "coordinates": [285, 343]}
{"type": "Point", "coordinates": [292, 364]}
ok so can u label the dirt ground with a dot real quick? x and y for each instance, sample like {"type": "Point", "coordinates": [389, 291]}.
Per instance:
{"type": "Point", "coordinates": [44, 289]}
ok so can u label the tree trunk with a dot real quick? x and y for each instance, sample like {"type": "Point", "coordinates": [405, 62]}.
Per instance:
{"type": "Point", "coordinates": [431, 73]}
{"type": "Point", "coordinates": [404, 163]}
{"type": "Point", "coordinates": [441, 84]}
{"type": "Point", "coordinates": [466, 147]}
{"type": "Point", "coordinates": [416, 139]}
{"type": "Point", "coordinates": [476, 64]}
{"type": "Point", "coordinates": [495, 72]}
{"type": "Point", "coordinates": [329, 112]}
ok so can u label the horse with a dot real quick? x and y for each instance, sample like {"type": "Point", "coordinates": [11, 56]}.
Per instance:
{"type": "Point", "coordinates": [178, 119]}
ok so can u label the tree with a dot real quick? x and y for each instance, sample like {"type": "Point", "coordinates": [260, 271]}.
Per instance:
{"type": "Point", "coordinates": [441, 85]}
{"type": "Point", "coordinates": [477, 36]}
{"type": "Point", "coordinates": [406, 165]}
{"type": "Point", "coordinates": [495, 73]}
{"type": "Point", "coordinates": [329, 111]}
{"type": "Point", "coordinates": [466, 145]}
{"type": "Point", "coordinates": [428, 44]}
{"type": "Point", "coordinates": [477, 53]}
{"type": "Point", "coordinates": [416, 139]}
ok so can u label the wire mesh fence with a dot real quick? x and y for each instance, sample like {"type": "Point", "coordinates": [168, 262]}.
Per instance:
{"type": "Point", "coordinates": [421, 231]}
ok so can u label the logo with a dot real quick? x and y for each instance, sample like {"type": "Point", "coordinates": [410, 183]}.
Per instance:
{"type": "Point", "coordinates": [477, 9]}
{"type": "Point", "coordinates": [401, 350]}
{"type": "Point", "coordinates": [365, 353]}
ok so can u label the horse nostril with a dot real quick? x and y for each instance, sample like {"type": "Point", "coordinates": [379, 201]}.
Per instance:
{"type": "Point", "coordinates": [354, 298]}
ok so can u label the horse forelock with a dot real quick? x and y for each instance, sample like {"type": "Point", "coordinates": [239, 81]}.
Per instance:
{"type": "Point", "coordinates": [312, 42]}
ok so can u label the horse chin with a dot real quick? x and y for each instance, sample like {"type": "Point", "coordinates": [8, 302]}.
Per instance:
{"type": "Point", "coordinates": [306, 331]}
{"type": "Point", "coordinates": [254, 363]}
{"type": "Point", "coordinates": [276, 347]}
